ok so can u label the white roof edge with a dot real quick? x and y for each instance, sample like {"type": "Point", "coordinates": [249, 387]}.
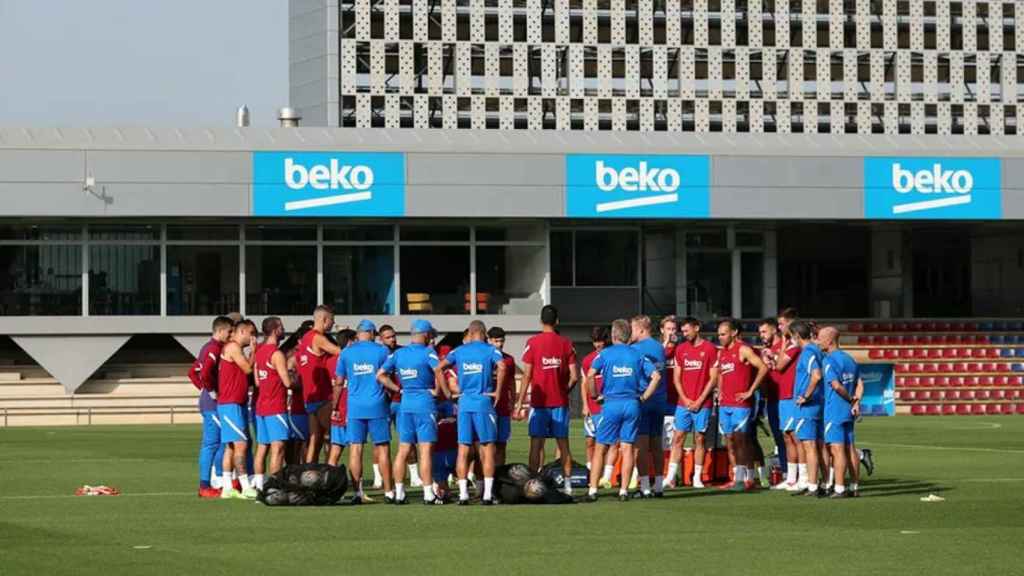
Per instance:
{"type": "Point", "coordinates": [232, 139]}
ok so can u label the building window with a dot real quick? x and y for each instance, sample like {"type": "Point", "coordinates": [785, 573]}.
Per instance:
{"type": "Point", "coordinates": [359, 279]}
{"type": "Point", "coordinates": [510, 279]}
{"type": "Point", "coordinates": [124, 280]}
{"type": "Point", "coordinates": [435, 279]}
{"type": "Point", "coordinates": [598, 257]}
{"type": "Point", "coordinates": [40, 280]}
{"type": "Point", "coordinates": [280, 279]}
{"type": "Point", "coordinates": [202, 280]}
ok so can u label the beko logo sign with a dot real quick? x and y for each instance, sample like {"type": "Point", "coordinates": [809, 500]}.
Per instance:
{"type": "Point", "coordinates": [599, 186]}
{"type": "Point", "coordinates": [940, 188]}
{"type": "Point", "coordinates": [328, 184]}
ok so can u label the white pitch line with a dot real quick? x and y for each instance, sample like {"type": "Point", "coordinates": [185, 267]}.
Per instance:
{"type": "Point", "coordinates": [59, 496]}
{"type": "Point", "coordinates": [944, 448]}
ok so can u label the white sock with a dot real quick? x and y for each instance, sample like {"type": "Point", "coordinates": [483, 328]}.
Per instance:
{"type": "Point", "coordinates": [428, 493]}
{"type": "Point", "coordinates": [471, 477]}
{"type": "Point", "coordinates": [854, 486]}
{"type": "Point", "coordinates": [399, 490]}
{"type": "Point", "coordinates": [215, 481]}
{"type": "Point", "coordinates": [623, 492]}
{"type": "Point", "coordinates": [636, 475]}
{"type": "Point", "coordinates": [840, 488]}
{"type": "Point", "coordinates": [791, 472]}
{"type": "Point", "coordinates": [243, 479]}
{"type": "Point", "coordinates": [737, 474]}
{"type": "Point", "coordinates": [698, 472]}
{"type": "Point", "coordinates": [488, 484]}
{"type": "Point", "coordinates": [659, 483]}
{"type": "Point", "coordinates": [567, 485]}
{"type": "Point", "coordinates": [257, 481]}
{"type": "Point", "coordinates": [414, 471]}
{"type": "Point", "coordinates": [673, 469]}
{"type": "Point", "coordinates": [831, 476]}
{"type": "Point", "coordinates": [802, 471]}
{"type": "Point", "coordinates": [591, 491]}
{"type": "Point", "coordinates": [608, 470]}
{"type": "Point", "coordinates": [226, 481]}
{"type": "Point", "coordinates": [588, 465]}
{"type": "Point", "coordinates": [376, 473]}
{"type": "Point", "coordinates": [762, 475]}
{"type": "Point", "coordinates": [463, 489]}
{"type": "Point", "coordinates": [860, 454]}
{"type": "Point", "coordinates": [359, 489]}
{"type": "Point", "coordinates": [390, 494]}
{"type": "Point", "coordinates": [645, 484]}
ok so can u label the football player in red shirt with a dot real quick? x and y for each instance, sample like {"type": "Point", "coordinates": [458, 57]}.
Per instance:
{"type": "Point", "coordinates": [496, 338]}
{"type": "Point", "coordinates": [274, 384]}
{"type": "Point", "coordinates": [232, 407]}
{"type": "Point", "coordinates": [737, 383]}
{"type": "Point", "coordinates": [779, 354]}
{"type": "Point", "coordinates": [693, 383]}
{"type": "Point", "coordinates": [314, 349]}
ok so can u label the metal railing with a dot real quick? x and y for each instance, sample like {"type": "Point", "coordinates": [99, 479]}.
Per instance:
{"type": "Point", "coordinates": [87, 413]}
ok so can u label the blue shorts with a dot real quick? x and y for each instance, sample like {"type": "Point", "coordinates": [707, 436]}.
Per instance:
{"type": "Point", "coordinates": [233, 424]}
{"type": "Point", "coordinates": [415, 428]}
{"type": "Point", "coordinates": [298, 424]}
{"type": "Point", "coordinates": [443, 465]}
{"type": "Point", "coordinates": [273, 428]}
{"type": "Point", "coordinates": [211, 428]}
{"type": "Point", "coordinates": [395, 408]}
{"type": "Point", "coordinates": [549, 422]}
{"type": "Point", "coordinates": [504, 429]}
{"type": "Point", "coordinates": [839, 432]}
{"type": "Point", "coordinates": [788, 415]}
{"type": "Point", "coordinates": [378, 429]}
{"type": "Point", "coordinates": [808, 429]}
{"type": "Point", "coordinates": [339, 435]}
{"type": "Point", "coordinates": [618, 422]}
{"type": "Point", "coordinates": [732, 419]}
{"type": "Point", "coordinates": [479, 427]}
{"type": "Point", "coordinates": [590, 425]}
{"type": "Point", "coordinates": [652, 419]}
{"type": "Point", "coordinates": [312, 407]}
{"type": "Point", "coordinates": [687, 421]}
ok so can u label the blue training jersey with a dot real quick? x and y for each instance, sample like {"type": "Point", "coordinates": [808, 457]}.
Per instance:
{"type": "Point", "coordinates": [808, 361]}
{"type": "Point", "coordinates": [625, 372]}
{"type": "Point", "coordinates": [475, 363]}
{"type": "Point", "coordinates": [655, 353]}
{"type": "Point", "coordinates": [414, 364]}
{"type": "Point", "coordinates": [841, 367]}
{"type": "Point", "coordinates": [358, 366]}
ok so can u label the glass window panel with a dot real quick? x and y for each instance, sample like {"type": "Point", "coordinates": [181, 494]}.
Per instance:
{"type": "Point", "coordinates": [202, 280]}
{"type": "Point", "coordinates": [706, 239]}
{"type": "Point", "coordinates": [280, 279]}
{"type": "Point", "coordinates": [509, 279]}
{"type": "Point", "coordinates": [532, 232]}
{"type": "Point", "coordinates": [561, 257]}
{"type": "Point", "coordinates": [124, 232]}
{"type": "Point", "coordinates": [434, 233]}
{"type": "Point", "coordinates": [606, 258]}
{"type": "Point", "coordinates": [428, 289]}
{"type": "Point", "coordinates": [746, 239]}
{"type": "Point", "coordinates": [384, 233]}
{"type": "Point", "coordinates": [752, 273]}
{"type": "Point", "coordinates": [709, 284]}
{"type": "Point", "coordinates": [124, 280]}
{"type": "Point", "coordinates": [360, 279]}
{"type": "Point", "coordinates": [202, 233]}
{"type": "Point", "coordinates": [40, 280]}
{"type": "Point", "coordinates": [306, 233]}
{"type": "Point", "coordinates": [24, 232]}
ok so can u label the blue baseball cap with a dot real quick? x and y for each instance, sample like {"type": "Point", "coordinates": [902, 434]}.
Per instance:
{"type": "Point", "coordinates": [421, 327]}
{"type": "Point", "coordinates": [366, 326]}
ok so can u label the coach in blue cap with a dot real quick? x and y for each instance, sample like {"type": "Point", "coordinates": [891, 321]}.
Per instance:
{"type": "Point", "coordinates": [368, 406]}
{"type": "Point", "coordinates": [414, 365]}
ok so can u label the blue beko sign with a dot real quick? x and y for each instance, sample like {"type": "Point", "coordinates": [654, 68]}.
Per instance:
{"type": "Point", "coordinates": [933, 188]}
{"type": "Point", "coordinates": [614, 186]}
{"type": "Point", "coordinates": [328, 184]}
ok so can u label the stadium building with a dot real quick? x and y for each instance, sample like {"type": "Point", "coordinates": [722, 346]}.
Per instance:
{"type": "Point", "coordinates": [858, 160]}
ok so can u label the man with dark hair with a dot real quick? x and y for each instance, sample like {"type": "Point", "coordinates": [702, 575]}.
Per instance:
{"type": "Point", "coordinates": [652, 412]}
{"type": "Point", "coordinates": [629, 379]}
{"type": "Point", "coordinates": [549, 373]}
{"type": "Point", "coordinates": [496, 338]}
{"type": "Point", "coordinates": [737, 385]}
{"type": "Point", "coordinates": [273, 384]}
{"type": "Point", "coordinates": [809, 398]}
{"type": "Point", "coordinates": [388, 338]}
{"type": "Point", "coordinates": [232, 409]}
{"type": "Point", "coordinates": [204, 376]}
{"type": "Point", "coordinates": [694, 381]}
{"type": "Point", "coordinates": [600, 339]}
{"type": "Point", "coordinates": [779, 354]}
{"type": "Point", "coordinates": [475, 364]}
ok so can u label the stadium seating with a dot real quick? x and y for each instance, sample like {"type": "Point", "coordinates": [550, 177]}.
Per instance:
{"type": "Point", "coordinates": [948, 367]}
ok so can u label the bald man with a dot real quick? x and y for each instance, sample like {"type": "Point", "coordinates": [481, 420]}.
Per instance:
{"type": "Point", "coordinates": [843, 390]}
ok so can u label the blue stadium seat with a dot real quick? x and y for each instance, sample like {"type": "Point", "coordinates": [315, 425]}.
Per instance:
{"type": "Point", "coordinates": [1015, 326]}
{"type": "Point", "coordinates": [997, 339]}
{"type": "Point", "coordinates": [1017, 367]}
{"type": "Point", "coordinates": [986, 327]}
{"type": "Point", "coordinates": [1008, 352]}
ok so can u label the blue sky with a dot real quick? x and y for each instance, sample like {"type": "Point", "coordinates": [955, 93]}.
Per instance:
{"type": "Point", "coordinates": [141, 62]}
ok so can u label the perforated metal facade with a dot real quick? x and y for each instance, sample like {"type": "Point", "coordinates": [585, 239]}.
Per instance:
{"type": "Point", "coordinates": [785, 66]}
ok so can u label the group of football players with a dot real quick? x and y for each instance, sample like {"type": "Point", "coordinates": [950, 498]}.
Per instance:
{"type": "Point", "coordinates": [318, 391]}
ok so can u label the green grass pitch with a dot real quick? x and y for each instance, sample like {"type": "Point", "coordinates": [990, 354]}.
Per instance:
{"type": "Point", "coordinates": [158, 526]}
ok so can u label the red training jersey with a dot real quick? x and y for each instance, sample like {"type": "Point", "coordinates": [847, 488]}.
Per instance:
{"type": "Point", "coordinates": [232, 383]}
{"type": "Point", "coordinates": [316, 381]}
{"type": "Point", "coordinates": [670, 374]}
{"type": "Point", "coordinates": [735, 376]}
{"type": "Point", "coordinates": [696, 363]}
{"type": "Point", "coordinates": [273, 396]}
{"type": "Point", "coordinates": [782, 381]}
{"type": "Point", "coordinates": [588, 361]}
{"type": "Point", "coordinates": [508, 390]}
{"type": "Point", "coordinates": [549, 356]}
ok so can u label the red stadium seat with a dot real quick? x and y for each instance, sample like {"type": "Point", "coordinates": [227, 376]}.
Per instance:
{"type": "Point", "coordinates": [1020, 408]}
{"type": "Point", "coordinates": [876, 354]}
{"type": "Point", "coordinates": [970, 381]}
{"type": "Point", "coordinates": [973, 367]}
{"type": "Point", "coordinates": [911, 366]}
{"type": "Point", "coordinates": [977, 409]}
{"type": "Point", "coordinates": [994, 409]}
{"type": "Point", "coordinates": [1008, 409]}
{"type": "Point", "coordinates": [971, 327]}
{"type": "Point", "coordinates": [1000, 381]}
{"type": "Point", "coordinates": [950, 352]}
{"type": "Point", "coordinates": [965, 352]}
{"type": "Point", "coordinates": [1015, 380]}
{"type": "Point", "coordinates": [981, 394]}
{"type": "Point", "coordinates": [997, 393]}
{"type": "Point", "coordinates": [948, 409]}
{"type": "Point", "coordinates": [942, 381]}
{"type": "Point", "coordinates": [926, 381]}
{"type": "Point", "coordinates": [933, 409]}
{"type": "Point", "coordinates": [855, 327]}
{"type": "Point", "coordinates": [967, 394]}
{"type": "Point", "coordinates": [951, 394]}
{"type": "Point", "coordinates": [1013, 394]}
{"type": "Point", "coordinates": [917, 409]}
{"type": "Point", "coordinates": [944, 367]}
{"type": "Point", "coordinates": [891, 354]}
{"type": "Point", "coordinates": [963, 409]}
{"type": "Point", "coordinates": [933, 353]}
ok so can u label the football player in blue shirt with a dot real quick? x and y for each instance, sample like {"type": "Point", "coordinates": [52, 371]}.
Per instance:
{"type": "Point", "coordinates": [809, 399]}
{"type": "Point", "coordinates": [368, 406]}
{"type": "Point", "coordinates": [478, 391]}
{"type": "Point", "coordinates": [417, 423]}
{"type": "Point", "coordinates": [843, 386]}
{"type": "Point", "coordinates": [629, 379]}
{"type": "Point", "coordinates": [652, 411]}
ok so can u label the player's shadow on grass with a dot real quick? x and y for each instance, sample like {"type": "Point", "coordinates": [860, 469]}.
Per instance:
{"type": "Point", "coordinates": [884, 487]}
{"type": "Point", "coordinates": [697, 493]}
